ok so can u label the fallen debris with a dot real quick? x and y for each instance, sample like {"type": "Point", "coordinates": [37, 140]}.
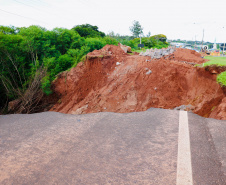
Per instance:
{"type": "Point", "coordinates": [148, 72]}
{"type": "Point", "coordinates": [185, 107]}
{"type": "Point", "coordinates": [126, 49]}
{"type": "Point", "coordinates": [97, 85]}
{"type": "Point", "coordinates": [158, 53]}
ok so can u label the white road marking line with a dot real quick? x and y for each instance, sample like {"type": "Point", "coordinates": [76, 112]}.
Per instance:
{"type": "Point", "coordinates": [184, 169]}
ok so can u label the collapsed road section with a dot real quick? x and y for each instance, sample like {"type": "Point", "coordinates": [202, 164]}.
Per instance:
{"type": "Point", "coordinates": [110, 80]}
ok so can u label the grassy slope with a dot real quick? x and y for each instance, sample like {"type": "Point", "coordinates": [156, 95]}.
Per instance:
{"type": "Point", "coordinates": [139, 50]}
{"type": "Point", "coordinates": [220, 61]}
{"type": "Point", "coordinates": [221, 78]}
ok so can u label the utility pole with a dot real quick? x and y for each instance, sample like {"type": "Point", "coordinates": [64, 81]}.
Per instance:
{"type": "Point", "coordinates": [202, 38]}
{"type": "Point", "coordinates": [195, 42]}
{"type": "Point", "coordinates": [140, 40]}
{"type": "Point", "coordinates": [224, 46]}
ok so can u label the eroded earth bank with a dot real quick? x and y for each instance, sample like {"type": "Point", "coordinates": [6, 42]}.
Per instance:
{"type": "Point", "coordinates": [110, 80]}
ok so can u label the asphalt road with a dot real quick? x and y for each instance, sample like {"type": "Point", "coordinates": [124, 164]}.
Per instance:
{"type": "Point", "coordinates": [110, 148]}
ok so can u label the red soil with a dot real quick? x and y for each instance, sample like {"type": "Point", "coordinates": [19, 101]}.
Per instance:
{"type": "Point", "coordinates": [101, 84]}
{"type": "Point", "coordinates": [188, 55]}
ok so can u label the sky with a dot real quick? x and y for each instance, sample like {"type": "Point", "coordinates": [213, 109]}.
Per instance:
{"type": "Point", "coordinates": [177, 19]}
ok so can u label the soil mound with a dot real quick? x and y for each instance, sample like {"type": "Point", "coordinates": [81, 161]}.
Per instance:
{"type": "Point", "coordinates": [188, 55]}
{"type": "Point", "coordinates": [106, 51]}
{"type": "Point", "coordinates": [112, 81]}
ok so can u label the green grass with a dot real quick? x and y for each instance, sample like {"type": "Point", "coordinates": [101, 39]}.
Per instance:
{"type": "Point", "coordinates": [220, 61]}
{"type": "Point", "coordinates": [221, 79]}
{"type": "Point", "coordinates": [137, 50]}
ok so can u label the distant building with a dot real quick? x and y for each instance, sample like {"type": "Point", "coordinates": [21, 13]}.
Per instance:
{"type": "Point", "coordinates": [177, 44]}
{"type": "Point", "coordinates": [223, 46]}
{"type": "Point", "coordinates": [188, 46]}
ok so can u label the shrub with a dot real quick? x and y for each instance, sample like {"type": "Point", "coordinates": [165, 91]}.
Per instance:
{"type": "Point", "coordinates": [156, 41]}
{"type": "Point", "coordinates": [63, 63]}
{"type": "Point", "coordinates": [87, 30]}
{"type": "Point", "coordinates": [46, 85]}
{"type": "Point", "coordinates": [94, 43]}
{"type": "Point", "coordinates": [110, 41]}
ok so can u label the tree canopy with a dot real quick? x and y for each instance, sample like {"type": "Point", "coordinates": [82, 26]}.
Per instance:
{"type": "Point", "coordinates": [136, 29]}
{"type": "Point", "coordinates": [87, 30]}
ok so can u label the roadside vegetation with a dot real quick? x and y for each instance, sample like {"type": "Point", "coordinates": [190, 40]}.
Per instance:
{"type": "Point", "coordinates": [219, 61]}
{"type": "Point", "coordinates": [221, 79]}
{"type": "Point", "coordinates": [31, 57]}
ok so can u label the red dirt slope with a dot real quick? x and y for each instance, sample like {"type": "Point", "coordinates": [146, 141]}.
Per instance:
{"type": "Point", "coordinates": [113, 81]}
{"type": "Point", "coordinates": [188, 55]}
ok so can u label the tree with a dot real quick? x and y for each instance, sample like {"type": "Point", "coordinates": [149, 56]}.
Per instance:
{"type": "Point", "coordinates": [111, 34]}
{"type": "Point", "coordinates": [136, 29]}
{"type": "Point", "coordinates": [149, 34]}
{"type": "Point", "coordinates": [8, 30]}
{"type": "Point", "coordinates": [87, 30]}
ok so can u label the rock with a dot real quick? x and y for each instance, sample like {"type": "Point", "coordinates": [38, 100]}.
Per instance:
{"type": "Point", "coordinates": [149, 72]}
{"type": "Point", "coordinates": [147, 52]}
{"type": "Point", "coordinates": [80, 110]}
{"type": "Point", "coordinates": [214, 71]}
{"type": "Point", "coordinates": [118, 63]}
{"type": "Point", "coordinates": [129, 49]}
{"type": "Point", "coordinates": [157, 53]}
{"type": "Point", "coordinates": [126, 49]}
{"type": "Point", "coordinates": [152, 54]}
{"type": "Point", "coordinates": [164, 52]}
{"type": "Point", "coordinates": [185, 107]}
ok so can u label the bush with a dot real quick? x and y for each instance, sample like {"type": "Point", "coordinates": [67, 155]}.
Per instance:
{"type": "Point", "coordinates": [63, 63]}
{"type": "Point", "coordinates": [156, 41]}
{"type": "Point", "coordinates": [94, 43]}
{"type": "Point", "coordinates": [160, 37]}
{"type": "Point", "coordinates": [77, 54]}
{"type": "Point", "coordinates": [149, 42]}
{"type": "Point", "coordinates": [110, 41]}
{"type": "Point", "coordinates": [46, 85]}
{"type": "Point", "coordinates": [88, 31]}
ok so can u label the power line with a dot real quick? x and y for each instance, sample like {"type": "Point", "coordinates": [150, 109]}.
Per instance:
{"type": "Point", "coordinates": [22, 16]}
{"type": "Point", "coordinates": [27, 5]}
{"type": "Point", "coordinates": [37, 3]}
{"type": "Point", "coordinates": [36, 8]}
{"type": "Point", "coordinates": [33, 2]}
{"type": "Point", "coordinates": [36, 0]}
{"type": "Point", "coordinates": [48, 13]}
